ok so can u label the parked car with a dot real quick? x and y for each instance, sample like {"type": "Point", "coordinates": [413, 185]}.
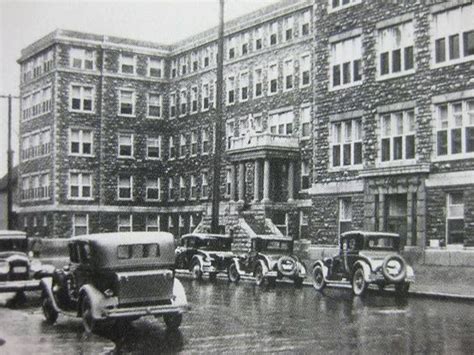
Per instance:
{"type": "Point", "coordinates": [270, 259]}
{"type": "Point", "coordinates": [203, 253]}
{"type": "Point", "coordinates": [18, 271]}
{"type": "Point", "coordinates": [117, 276]}
{"type": "Point", "coordinates": [365, 258]}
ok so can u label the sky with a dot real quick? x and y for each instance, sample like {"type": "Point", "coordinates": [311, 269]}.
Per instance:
{"type": "Point", "coordinates": [161, 21]}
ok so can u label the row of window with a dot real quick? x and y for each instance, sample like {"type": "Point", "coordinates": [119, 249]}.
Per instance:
{"type": "Point", "coordinates": [35, 186]}
{"type": "Point", "coordinates": [37, 66]}
{"type": "Point", "coordinates": [37, 103]}
{"type": "Point", "coordinates": [36, 144]}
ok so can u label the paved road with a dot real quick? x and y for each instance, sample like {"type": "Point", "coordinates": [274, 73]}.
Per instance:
{"type": "Point", "coordinates": [244, 318]}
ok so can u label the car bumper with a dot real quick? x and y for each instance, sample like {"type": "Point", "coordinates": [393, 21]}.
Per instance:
{"type": "Point", "coordinates": [381, 279]}
{"type": "Point", "coordinates": [209, 268]}
{"type": "Point", "coordinates": [21, 285]}
{"type": "Point", "coordinates": [144, 311]}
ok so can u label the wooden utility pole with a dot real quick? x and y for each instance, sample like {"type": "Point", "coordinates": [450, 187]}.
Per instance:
{"type": "Point", "coordinates": [216, 176]}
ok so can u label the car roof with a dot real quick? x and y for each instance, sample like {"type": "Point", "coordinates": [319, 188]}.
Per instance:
{"type": "Point", "coordinates": [205, 236]}
{"type": "Point", "coordinates": [371, 234]}
{"type": "Point", "coordinates": [272, 237]}
{"type": "Point", "coordinates": [11, 234]}
{"type": "Point", "coordinates": [125, 238]}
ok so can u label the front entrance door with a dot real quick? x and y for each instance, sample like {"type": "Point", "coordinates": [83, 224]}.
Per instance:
{"type": "Point", "coordinates": [395, 215]}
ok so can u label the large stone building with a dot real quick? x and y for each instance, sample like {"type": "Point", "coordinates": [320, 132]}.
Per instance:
{"type": "Point", "coordinates": [339, 114]}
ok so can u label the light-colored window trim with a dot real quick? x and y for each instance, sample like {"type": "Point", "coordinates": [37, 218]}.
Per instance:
{"type": "Point", "coordinates": [159, 139]}
{"type": "Point", "coordinates": [158, 187]}
{"type": "Point", "coordinates": [205, 134]}
{"type": "Point", "coordinates": [80, 185]}
{"type": "Point", "coordinates": [81, 142]}
{"type": "Point", "coordinates": [82, 58]}
{"type": "Point", "coordinates": [285, 74]}
{"type": "Point", "coordinates": [131, 156]}
{"type": "Point", "coordinates": [194, 89]}
{"type": "Point", "coordinates": [352, 60]}
{"type": "Point", "coordinates": [121, 62]}
{"type": "Point", "coordinates": [129, 225]}
{"type": "Point", "coordinates": [160, 67]}
{"type": "Point", "coordinates": [120, 102]}
{"type": "Point", "coordinates": [203, 109]}
{"type": "Point", "coordinates": [269, 79]}
{"type": "Point", "coordinates": [160, 105]}
{"type": "Point", "coordinates": [341, 6]}
{"type": "Point", "coordinates": [156, 225]}
{"type": "Point", "coordinates": [352, 165]}
{"type": "Point", "coordinates": [74, 225]}
{"type": "Point", "coordinates": [255, 96]}
{"type": "Point", "coordinates": [301, 71]}
{"type": "Point", "coordinates": [245, 72]}
{"type": "Point", "coordinates": [185, 102]}
{"type": "Point", "coordinates": [131, 189]}
{"type": "Point", "coordinates": [82, 98]}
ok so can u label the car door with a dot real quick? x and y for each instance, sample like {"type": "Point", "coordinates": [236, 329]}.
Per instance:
{"type": "Point", "coordinates": [350, 250]}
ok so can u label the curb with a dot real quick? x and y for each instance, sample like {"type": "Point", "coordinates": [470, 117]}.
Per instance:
{"type": "Point", "coordinates": [414, 293]}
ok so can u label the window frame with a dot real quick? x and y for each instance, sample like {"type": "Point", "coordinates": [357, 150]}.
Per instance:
{"type": "Point", "coordinates": [80, 186]}
{"type": "Point", "coordinates": [119, 187]}
{"type": "Point", "coordinates": [132, 103]}
{"type": "Point", "coordinates": [82, 98]}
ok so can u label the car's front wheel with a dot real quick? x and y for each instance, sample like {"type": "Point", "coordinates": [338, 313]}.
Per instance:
{"type": "Point", "coordinates": [50, 314]}
{"type": "Point", "coordinates": [359, 285]}
{"type": "Point", "coordinates": [318, 278]}
{"type": "Point", "coordinates": [196, 271]}
{"type": "Point", "coordinates": [173, 320]}
{"type": "Point", "coordinates": [232, 273]}
{"type": "Point", "coordinates": [259, 278]}
{"type": "Point", "coordinates": [88, 320]}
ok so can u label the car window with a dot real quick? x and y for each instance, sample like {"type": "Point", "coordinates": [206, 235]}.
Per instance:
{"type": "Point", "coordinates": [276, 245]}
{"type": "Point", "coordinates": [381, 242]}
{"type": "Point", "coordinates": [138, 251]}
{"type": "Point", "coordinates": [73, 255]}
{"type": "Point", "coordinates": [84, 253]}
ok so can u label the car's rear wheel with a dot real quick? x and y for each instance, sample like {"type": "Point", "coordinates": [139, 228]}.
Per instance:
{"type": "Point", "coordinates": [402, 288]}
{"type": "Point", "coordinates": [359, 285]}
{"type": "Point", "coordinates": [196, 271]}
{"type": "Point", "coordinates": [259, 278]}
{"type": "Point", "coordinates": [173, 320]}
{"type": "Point", "coordinates": [232, 273]}
{"type": "Point", "coordinates": [318, 278]}
{"type": "Point", "coordinates": [50, 314]}
{"type": "Point", "coordinates": [212, 276]}
{"type": "Point", "coordinates": [88, 320]}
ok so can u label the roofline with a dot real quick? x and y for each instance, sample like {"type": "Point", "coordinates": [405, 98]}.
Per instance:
{"type": "Point", "coordinates": [371, 233]}
{"type": "Point", "coordinates": [200, 235]}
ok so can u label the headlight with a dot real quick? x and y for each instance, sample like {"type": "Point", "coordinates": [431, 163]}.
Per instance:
{"type": "Point", "coordinates": [4, 267]}
{"type": "Point", "coordinates": [35, 265]}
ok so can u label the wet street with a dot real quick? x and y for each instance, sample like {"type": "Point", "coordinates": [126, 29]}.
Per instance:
{"type": "Point", "coordinates": [244, 318]}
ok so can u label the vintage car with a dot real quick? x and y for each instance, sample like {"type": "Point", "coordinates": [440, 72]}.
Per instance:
{"type": "Point", "coordinates": [365, 258]}
{"type": "Point", "coordinates": [117, 276]}
{"type": "Point", "coordinates": [19, 272]}
{"type": "Point", "coordinates": [204, 253]}
{"type": "Point", "coordinates": [270, 259]}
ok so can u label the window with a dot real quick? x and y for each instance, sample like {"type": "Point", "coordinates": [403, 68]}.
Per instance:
{"type": "Point", "coordinates": [345, 214]}
{"type": "Point", "coordinates": [174, 69]}
{"type": "Point", "coordinates": [172, 150]}
{"type": "Point", "coordinates": [182, 188]}
{"type": "Point", "coordinates": [194, 61]}
{"type": "Point", "coordinates": [82, 58]}
{"type": "Point", "coordinates": [183, 101]}
{"type": "Point", "coordinates": [48, 61]}
{"type": "Point", "coordinates": [455, 218]}
{"type": "Point", "coordinates": [272, 78]}
{"type": "Point", "coordinates": [81, 98]}
{"type": "Point", "coordinates": [228, 183]}
{"type": "Point", "coordinates": [155, 67]}
{"type": "Point", "coordinates": [184, 67]}
{"type": "Point", "coordinates": [281, 123]}
{"type": "Point", "coordinates": [193, 187]}
{"type": "Point", "coordinates": [182, 146]}
{"type": "Point", "coordinates": [230, 90]}
{"type": "Point", "coordinates": [153, 223]}
{"type": "Point", "coordinates": [244, 43]}
{"type": "Point", "coordinates": [80, 185]}
{"type": "Point", "coordinates": [194, 99]}
{"type": "Point", "coordinates": [288, 70]}
{"type": "Point", "coordinates": [231, 48]}
{"type": "Point", "coordinates": [205, 97]}
{"type": "Point", "coordinates": [229, 128]}
{"type": "Point", "coordinates": [172, 105]}
{"type": "Point", "coordinates": [180, 223]}
{"type": "Point", "coordinates": [346, 144]}
{"type": "Point", "coordinates": [288, 28]}
{"type": "Point", "coordinates": [192, 223]}
{"type": "Point", "coordinates": [395, 49]}
{"type": "Point", "coordinates": [153, 188]}
{"type": "Point", "coordinates": [25, 188]}
{"type": "Point", "coordinates": [341, 4]}
{"type": "Point", "coordinates": [244, 126]}
{"type": "Point", "coordinates": [44, 191]}
{"type": "Point", "coordinates": [153, 147]}
{"type": "Point", "coordinates": [125, 189]}
{"type": "Point", "coordinates": [258, 38]}
{"type": "Point", "coordinates": [305, 70]}
{"type": "Point", "coordinates": [273, 33]}
{"type": "Point", "coordinates": [170, 189]}
{"type": "Point", "coordinates": [345, 62]}
{"type": "Point", "coordinates": [204, 185]}
{"type": "Point", "coordinates": [154, 105]}
{"type": "Point", "coordinates": [244, 86]}
{"type": "Point", "coordinates": [258, 82]}
{"type": "Point", "coordinates": [305, 23]}
{"type": "Point", "coordinates": [170, 222]}
{"type": "Point", "coordinates": [305, 183]}
{"type": "Point", "coordinates": [46, 103]}
{"type": "Point", "coordinates": [126, 102]}
{"type": "Point", "coordinates": [305, 122]}
{"type": "Point", "coordinates": [127, 64]}
{"type": "Point", "coordinates": [124, 223]}
{"type": "Point", "coordinates": [455, 128]}
{"type": "Point", "coordinates": [125, 145]}
{"type": "Point", "coordinates": [80, 223]}
{"type": "Point", "coordinates": [398, 136]}
{"type": "Point", "coordinates": [205, 141]}
{"type": "Point", "coordinates": [453, 35]}
{"type": "Point", "coordinates": [80, 142]}
{"type": "Point", "coordinates": [194, 143]}
{"type": "Point", "coordinates": [206, 57]}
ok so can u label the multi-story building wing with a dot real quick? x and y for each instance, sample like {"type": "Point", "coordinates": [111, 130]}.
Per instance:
{"type": "Point", "coordinates": [337, 115]}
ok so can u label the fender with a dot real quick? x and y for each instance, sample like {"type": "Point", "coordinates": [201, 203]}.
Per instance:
{"type": "Point", "coordinates": [97, 298]}
{"type": "Point", "coordinates": [264, 267]}
{"type": "Point", "coordinates": [323, 267]}
{"type": "Point", "coordinates": [179, 294]}
{"type": "Point", "coordinates": [365, 267]}
{"type": "Point", "coordinates": [301, 268]}
{"type": "Point", "coordinates": [236, 261]}
{"type": "Point", "coordinates": [267, 261]}
{"type": "Point", "coordinates": [200, 260]}
{"type": "Point", "coordinates": [46, 285]}
{"type": "Point", "coordinates": [410, 272]}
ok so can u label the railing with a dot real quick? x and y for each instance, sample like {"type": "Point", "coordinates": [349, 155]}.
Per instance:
{"type": "Point", "coordinates": [264, 140]}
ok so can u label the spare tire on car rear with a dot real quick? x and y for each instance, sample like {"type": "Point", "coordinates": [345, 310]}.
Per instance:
{"type": "Point", "coordinates": [283, 266]}
{"type": "Point", "coordinates": [386, 266]}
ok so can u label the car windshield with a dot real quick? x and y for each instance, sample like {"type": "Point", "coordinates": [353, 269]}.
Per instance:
{"type": "Point", "coordinates": [13, 245]}
{"type": "Point", "coordinates": [382, 243]}
{"type": "Point", "coordinates": [278, 245]}
{"type": "Point", "coordinates": [223, 244]}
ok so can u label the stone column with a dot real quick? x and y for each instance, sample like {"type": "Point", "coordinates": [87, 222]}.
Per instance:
{"type": "Point", "coordinates": [266, 181]}
{"type": "Point", "coordinates": [232, 182]}
{"type": "Point", "coordinates": [291, 182]}
{"type": "Point", "coordinates": [241, 182]}
{"type": "Point", "coordinates": [256, 182]}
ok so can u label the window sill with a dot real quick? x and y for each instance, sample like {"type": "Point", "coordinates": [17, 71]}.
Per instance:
{"type": "Point", "coordinates": [305, 86]}
{"type": "Point", "coordinates": [75, 111]}
{"type": "Point", "coordinates": [460, 156]}
{"type": "Point", "coordinates": [346, 86]}
{"type": "Point", "coordinates": [126, 115]}
{"type": "Point", "coordinates": [451, 62]}
{"type": "Point", "coordinates": [154, 117]}
{"type": "Point", "coordinates": [80, 198]}
{"type": "Point", "coordinates": [81, 155]}
{"type": "Point", "coordinates": [395, 76]}
{"type": "Point", "coordinates": [153, 159]}
{"type": "Point", "coordinates": [345, 168]}
{"type": "Point", "coordinates": [125, 157]}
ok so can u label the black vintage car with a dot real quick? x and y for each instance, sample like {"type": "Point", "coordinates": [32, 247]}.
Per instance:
{"type": "Point", "coordinates": [271, 258]}
{"type": "Point", "coordinates": [117, 276]}
{"type": "Point", "coordinates": [203, 253]}
{"type": "Point", "coordinates": [365, 258]}
{"type": "Point", "coordinates": [18, 271]}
